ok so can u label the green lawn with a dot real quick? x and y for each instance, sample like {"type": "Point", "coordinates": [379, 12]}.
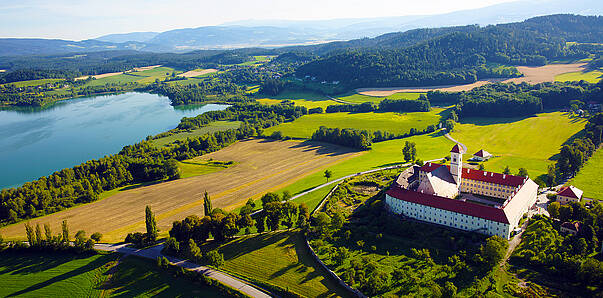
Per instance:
{"type": "Point", "coordinates": [589, 179]}
{"type": "Point", "coordinates": [210, 128]}
{"type": "Point", "coordinates": [530, 142]}
{"type": "Point", "coordinates": [281, 259]}
{"type": "Point", "coordinates": [34, 82]}
{"type": "Point", "coordinates": [359, 98]}
{"type": "Point", "coordinates": [397, 123]}
{"type": "Point", "coordinates": [53, 274]}
{"type": "Point", "coordinates": [195, 167]}
{"type": "Point", "coordinates": [381, 155]}
{"type": "Point", "coordinates": [137, 277]}
{"type": "Point", "coordinates": [142, 77]}
{"type": "Point", "coordinates": [304, 99]}
{"type": "Point", "coordinates": [589, 76]}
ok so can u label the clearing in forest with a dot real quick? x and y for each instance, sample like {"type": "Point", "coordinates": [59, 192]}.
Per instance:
{"type": "Point", "coordinates": [259, 166]}
{"type": "Point", "coordinates": [197, 72]}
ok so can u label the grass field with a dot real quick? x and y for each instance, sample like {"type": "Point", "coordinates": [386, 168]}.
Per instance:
{"type": "Point", "coordinates": [397, 123]}
{"type": "Point", "coordinates": [53, 275]}
{"type": "Point", "coordinates": [34, 82]}
{"type": "Point", "coordinates": [530, 142]}
{"type": "Point", "coordinates": [137, 277]}
{"type": "Point", "coordinates": [360, 98]}
{"type": "Point", "coordinates": [142, 77]}
{"type": "Point", "coordinates": [34, 274]}
{"type": "Point", "coordinates": [304, 99]}
{"type": "Point", "coordinates": [282, 259]}
{"type": "Point", "coordinates": [589, 179]}
{"type": "Point", "coordinates": [197, 167]}
{"type": "Point", "coordinates": [210, 128]}
{"type": "Point", "coordinates": [260, 166]}
{"type": "Point", "coordinates": [383, 154]}
{"type": "Point", "coordinates": [593, 76]}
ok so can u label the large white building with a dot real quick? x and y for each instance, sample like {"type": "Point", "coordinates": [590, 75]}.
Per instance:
{"type": "Point", "coordinates": [462, 198]}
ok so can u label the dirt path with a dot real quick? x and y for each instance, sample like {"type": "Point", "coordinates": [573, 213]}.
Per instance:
{"type": "Point", "coordinates": [532, 75]}
{"type": "Point", "coordinates": [261, 166]}
{"type": "Point", "coordinates": [155, 252]}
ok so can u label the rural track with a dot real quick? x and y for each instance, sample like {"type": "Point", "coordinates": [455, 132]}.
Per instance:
{"type": "Point", "coordinates": [339, 100]}
{"type": "Point", "coordinates": [155, 252]}
{"type": "Point", "coordinates": [447, 135]}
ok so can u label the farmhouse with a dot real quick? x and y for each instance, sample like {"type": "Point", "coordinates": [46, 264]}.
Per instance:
{"type": "Point", "coordinates": [569, 194]}
{"type": "Point", "coordinates": [481, 155]}
{"type": "Point", "coordinates": [461, 198]}
{"type": "Point", "coordinates": [570, 227]}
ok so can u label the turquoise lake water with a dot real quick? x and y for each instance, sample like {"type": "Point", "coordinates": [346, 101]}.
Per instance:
{"type": "Point", "coordinates": [37, 142]}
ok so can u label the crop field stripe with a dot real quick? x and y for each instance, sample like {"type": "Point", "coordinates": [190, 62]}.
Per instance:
{"type": "Point", "coordinates": [160, 216]}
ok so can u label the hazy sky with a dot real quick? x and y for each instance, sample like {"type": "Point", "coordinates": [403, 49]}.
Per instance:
{"type": "Point", "coordinates": [82, 19]}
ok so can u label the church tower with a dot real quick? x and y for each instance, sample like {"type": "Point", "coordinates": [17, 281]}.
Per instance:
{"type": "Point", "coordinates": [456, 163]}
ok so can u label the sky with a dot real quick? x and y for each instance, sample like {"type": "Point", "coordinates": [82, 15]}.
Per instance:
{"type": "Point", "coordinates": [82, 19]}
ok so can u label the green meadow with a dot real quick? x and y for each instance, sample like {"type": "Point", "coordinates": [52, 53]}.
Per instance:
{"type": "Point", "coordinates": [34, 82]}
{"type": "Point", "coordinates": [382, 154]}
{"type": "Point", "coordinates": [279, 259]}
{"type": "Point", "coordinates": [359, 98]}
{"type": "Point", "coordinates": [304, 99]}
{"type": "Point", "coordinates": [53, 275]}
{"type": "Point", "coordinates": [142, 77]}
{"type": "Point", "coordinates": [397, 123]}
{"type": "Point", "coordinates": [137, 277]}
{"type": "Point", "coordinates": [529, 142]}
{"type": "Point", "coordinates": [195, 167]}
{"type": "Point", "coordinates": [210, 128]}
{"type": "Point", "coordinates": [589, 178]}
{"type": "Point", "coordinates": [593, 76]}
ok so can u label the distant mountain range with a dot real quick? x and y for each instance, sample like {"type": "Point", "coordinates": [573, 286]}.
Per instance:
{"type": "Point", "coordinates": [278, 33]}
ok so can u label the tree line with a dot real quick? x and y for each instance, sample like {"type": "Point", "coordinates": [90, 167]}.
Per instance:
{"type": "Point", "coordinates": [574, 155]}
{"type": "Point", "coordinates": [349, 137]}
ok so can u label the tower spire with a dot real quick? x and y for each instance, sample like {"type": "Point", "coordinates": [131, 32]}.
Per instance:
{"type": "Point", "coordinates": [456, 163]}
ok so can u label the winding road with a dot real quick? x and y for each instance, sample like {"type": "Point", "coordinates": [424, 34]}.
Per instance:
{"type": "Point", "coordinates": [155, 252]}
{"type": "Point", "coordinates": [447, 135]}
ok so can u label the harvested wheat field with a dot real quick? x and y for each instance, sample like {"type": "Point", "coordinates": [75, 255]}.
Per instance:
{"type": "Point", "coordinates": [532, 75]}
{"type": "Point", "coordinates": [197, 72]}
{"type": "Point", "coordinates": [262, 166]}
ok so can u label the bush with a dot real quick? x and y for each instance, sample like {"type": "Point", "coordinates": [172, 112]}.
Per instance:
{"type": "Point", "coordinates": [96, 236]}
{"type": "Point", "coordinates": [318, 110]}
{"type": "Point", "coordinates": [214, 258]}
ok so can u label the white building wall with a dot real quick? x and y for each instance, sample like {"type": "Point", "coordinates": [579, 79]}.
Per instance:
{"type": "Point", "coordinates": [448, 218]}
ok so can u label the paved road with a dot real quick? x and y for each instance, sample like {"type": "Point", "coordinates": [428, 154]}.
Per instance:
{"type": "Point", "coordinates": [460, 144]}
{"type": "Point", "coordinates": [155, 251]}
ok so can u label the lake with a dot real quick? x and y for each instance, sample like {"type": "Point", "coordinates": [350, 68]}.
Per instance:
{"type": "Point", "coordinates": [36, 142]}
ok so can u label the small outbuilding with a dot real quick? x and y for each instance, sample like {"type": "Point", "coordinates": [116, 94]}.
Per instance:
{"type": "Point", "coordinates": [570, 227]}
{"type": "Point", "coordinates": [569, 194]}
{"type": "Point", "coordinates": [482, 155]}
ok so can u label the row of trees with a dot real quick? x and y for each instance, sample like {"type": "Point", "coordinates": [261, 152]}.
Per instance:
{"type": "Point", "coordinates": [360, 139]}
{"type": "Point", "coordinates": [573, 156]}
{"type": "Point", "coordinates": [134, 163]}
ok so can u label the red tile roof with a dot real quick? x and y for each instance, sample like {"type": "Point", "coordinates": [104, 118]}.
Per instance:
{"type": "Point", "coordinates": [477, 175]}
{"type": "Point", "coordinates": [457, 149]}
{"type": "Point", "coordinates": [567, 191]}
{"type": "Point", "coordinates": [457, 206]}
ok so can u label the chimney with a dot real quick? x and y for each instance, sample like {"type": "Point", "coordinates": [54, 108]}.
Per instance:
{"type": "Point", "coordinates": [504, 176]}
{"type": "Point", "coordinates": [485, 173]}
{"type": "Point", "coordinates": [468, 171]}
{"type": "Point", "coordinates": [492, 174]}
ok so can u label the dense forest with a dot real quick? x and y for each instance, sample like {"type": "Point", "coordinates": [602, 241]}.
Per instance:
{"type": "Point", "coordinates": [461, 56]}
{"type": "Point", "coordinates": [509, 100]}
{"type": "Point", "coordinates": [135, 163]}
{"type": "Point", "coordinates": [359, 139]}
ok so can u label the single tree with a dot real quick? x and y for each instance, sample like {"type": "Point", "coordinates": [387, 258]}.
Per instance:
{"type": "Point", "coordinates": [522, 172]}
{"type": "Point", "coordinates": [481, 167]}
{"type": "Point", "coordinates": [270, 197]}
{"type": "Point", "coordinates": [260, 222]}
{"type": "Point", "coordinates": [303, 216]}
{"type": "Point", "coordinates": [328, 174]}
{"type": "Point", "coordinates": [31, 236]}
{"type": "Point", "coordinates": [553, 209]}
{"type": "Point", "coordinates": [551, 175]}
{"type": "Point", "coordinates": [47, 233]}
{"type": "Point", "coordinates": [207, 204]}
{"type": "Point", "coordinates": [65, 234]}
{"type": "Point", "coordinates": [151, 225]}
{"type": "Point", "coordinates": [96, 236]}
{"type": "Point", "coordinates": [507, 171]}
{"type": "Point", "coordinates": [39, 238]}
{"type": "Point", "coordinates": [409, 151]}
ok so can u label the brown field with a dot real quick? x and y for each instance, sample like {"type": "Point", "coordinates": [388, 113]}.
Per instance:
{"type": "Point", "coordinates": [196, 73]}
{"type": "Point", "coordinates": [532, 75]}
{"type": "Point", "coordinates": [262, 166]}
{"type": "Point", "coordinates": [110, 74]}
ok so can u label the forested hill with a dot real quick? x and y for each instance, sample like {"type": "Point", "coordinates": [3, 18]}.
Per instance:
{"type": "Point", "coordinates": [459, 57]}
